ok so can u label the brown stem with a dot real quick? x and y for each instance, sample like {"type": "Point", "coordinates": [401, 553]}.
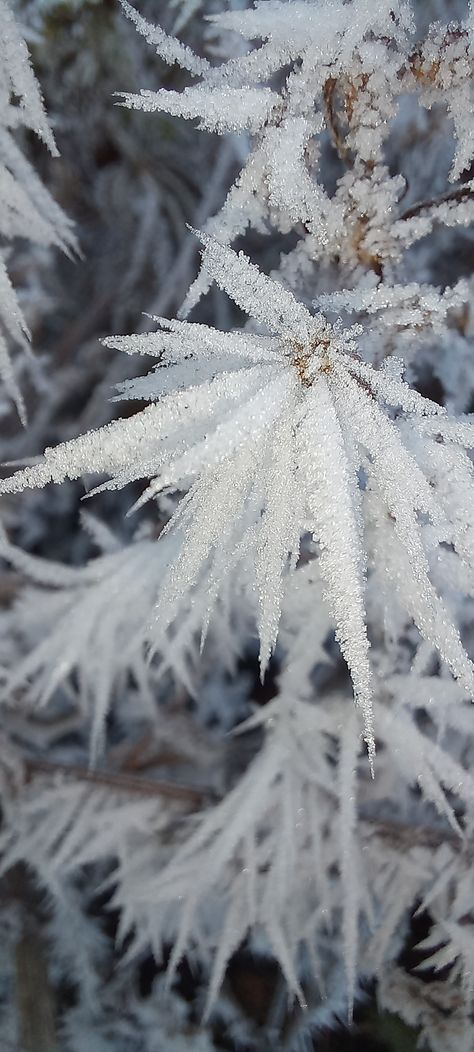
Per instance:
{"type": "Point", "coordinates": [460, 194]}
{"type": "Point", "coordinates": [397, 832]}
{"type": "Point", "coordinates": [402, 833]}
{"type": "Point", "coordinates": [415, 66]}
{"type": "Point", "coordinates": [121, 782]}
{"type": "Point", "coordinates": [329, 95]}
{"type": "Point", "coordinates": [34, 996]}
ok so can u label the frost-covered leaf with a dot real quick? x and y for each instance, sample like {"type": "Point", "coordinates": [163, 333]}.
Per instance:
{"type": "Point", "coordinates": [303, 398]}
{"type": "Point", "coordinates": [27, 209]}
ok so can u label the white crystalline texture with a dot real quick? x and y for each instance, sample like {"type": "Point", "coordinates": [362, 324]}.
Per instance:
{"type": "Point", "coordinates": [168, 48]}
{"type": "Point", "coordinates": [220, 109]}
{"type": "Point", "coordinates": [26, 208]}
{"type": "Point", "coordinates": [283, 432]}
{"type": "Point", "coordinates": [309, 490]}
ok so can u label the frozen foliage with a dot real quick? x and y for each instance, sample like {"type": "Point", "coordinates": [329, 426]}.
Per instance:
{"type": "Point", "coordinates": [74, 627]}
{"type": "Point", "coordinates": [272, 432]}
{"type": "Point", "coordinates": [301, 471]}
{"type": "Point", "coordinates": [343, 68]}
{"type": "Point", "coordinates": [27, 210]}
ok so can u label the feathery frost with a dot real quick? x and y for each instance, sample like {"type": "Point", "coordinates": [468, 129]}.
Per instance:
{"type": "Point", "coordinates": [299, 397]}
{"type": "Point", "coordinates": [306, 492]}
{"type": "Point", "coordinates": [27, 209]}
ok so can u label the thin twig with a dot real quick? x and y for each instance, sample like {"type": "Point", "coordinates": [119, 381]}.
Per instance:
{"type": "Point", "coordinates": [417, 835]}
{"type": "Point", "coordinates": [425, 206]}
{"type": "Point", "coordinates": [398, 832]}
{"type": "Point", "coordinates": [34, 995]}
{"type": "Point", "coordinates": [121, 782]}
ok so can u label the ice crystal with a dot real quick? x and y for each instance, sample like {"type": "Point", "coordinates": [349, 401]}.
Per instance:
{"type": "Point", "coordinates": [307, 491]}
{"type": "Point", "coordinates": [28, 210]}
{"type": "Point", "coordinates": [272, 438]}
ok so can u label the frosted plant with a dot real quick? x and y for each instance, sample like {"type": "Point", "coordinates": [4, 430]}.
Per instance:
{"type": "Point", "coordinates": [312, 487]}
{"type": "Point", "coordinates": [264, 855]}
{"type": "Point", "coordinates": [344, 68]}
{"type": "Point", "coordinates": [440, 1019]}
{"type": "Point", "coordinates": [282, 423]}
{"type": "Point", "coordinates": [28, 210]}
{"type": "Point", "coordinates": [72, 621]}
{"type": "Point", "coordinates": [263, 859]}
{"type": "Point", "coordinates": [165, 1021]}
